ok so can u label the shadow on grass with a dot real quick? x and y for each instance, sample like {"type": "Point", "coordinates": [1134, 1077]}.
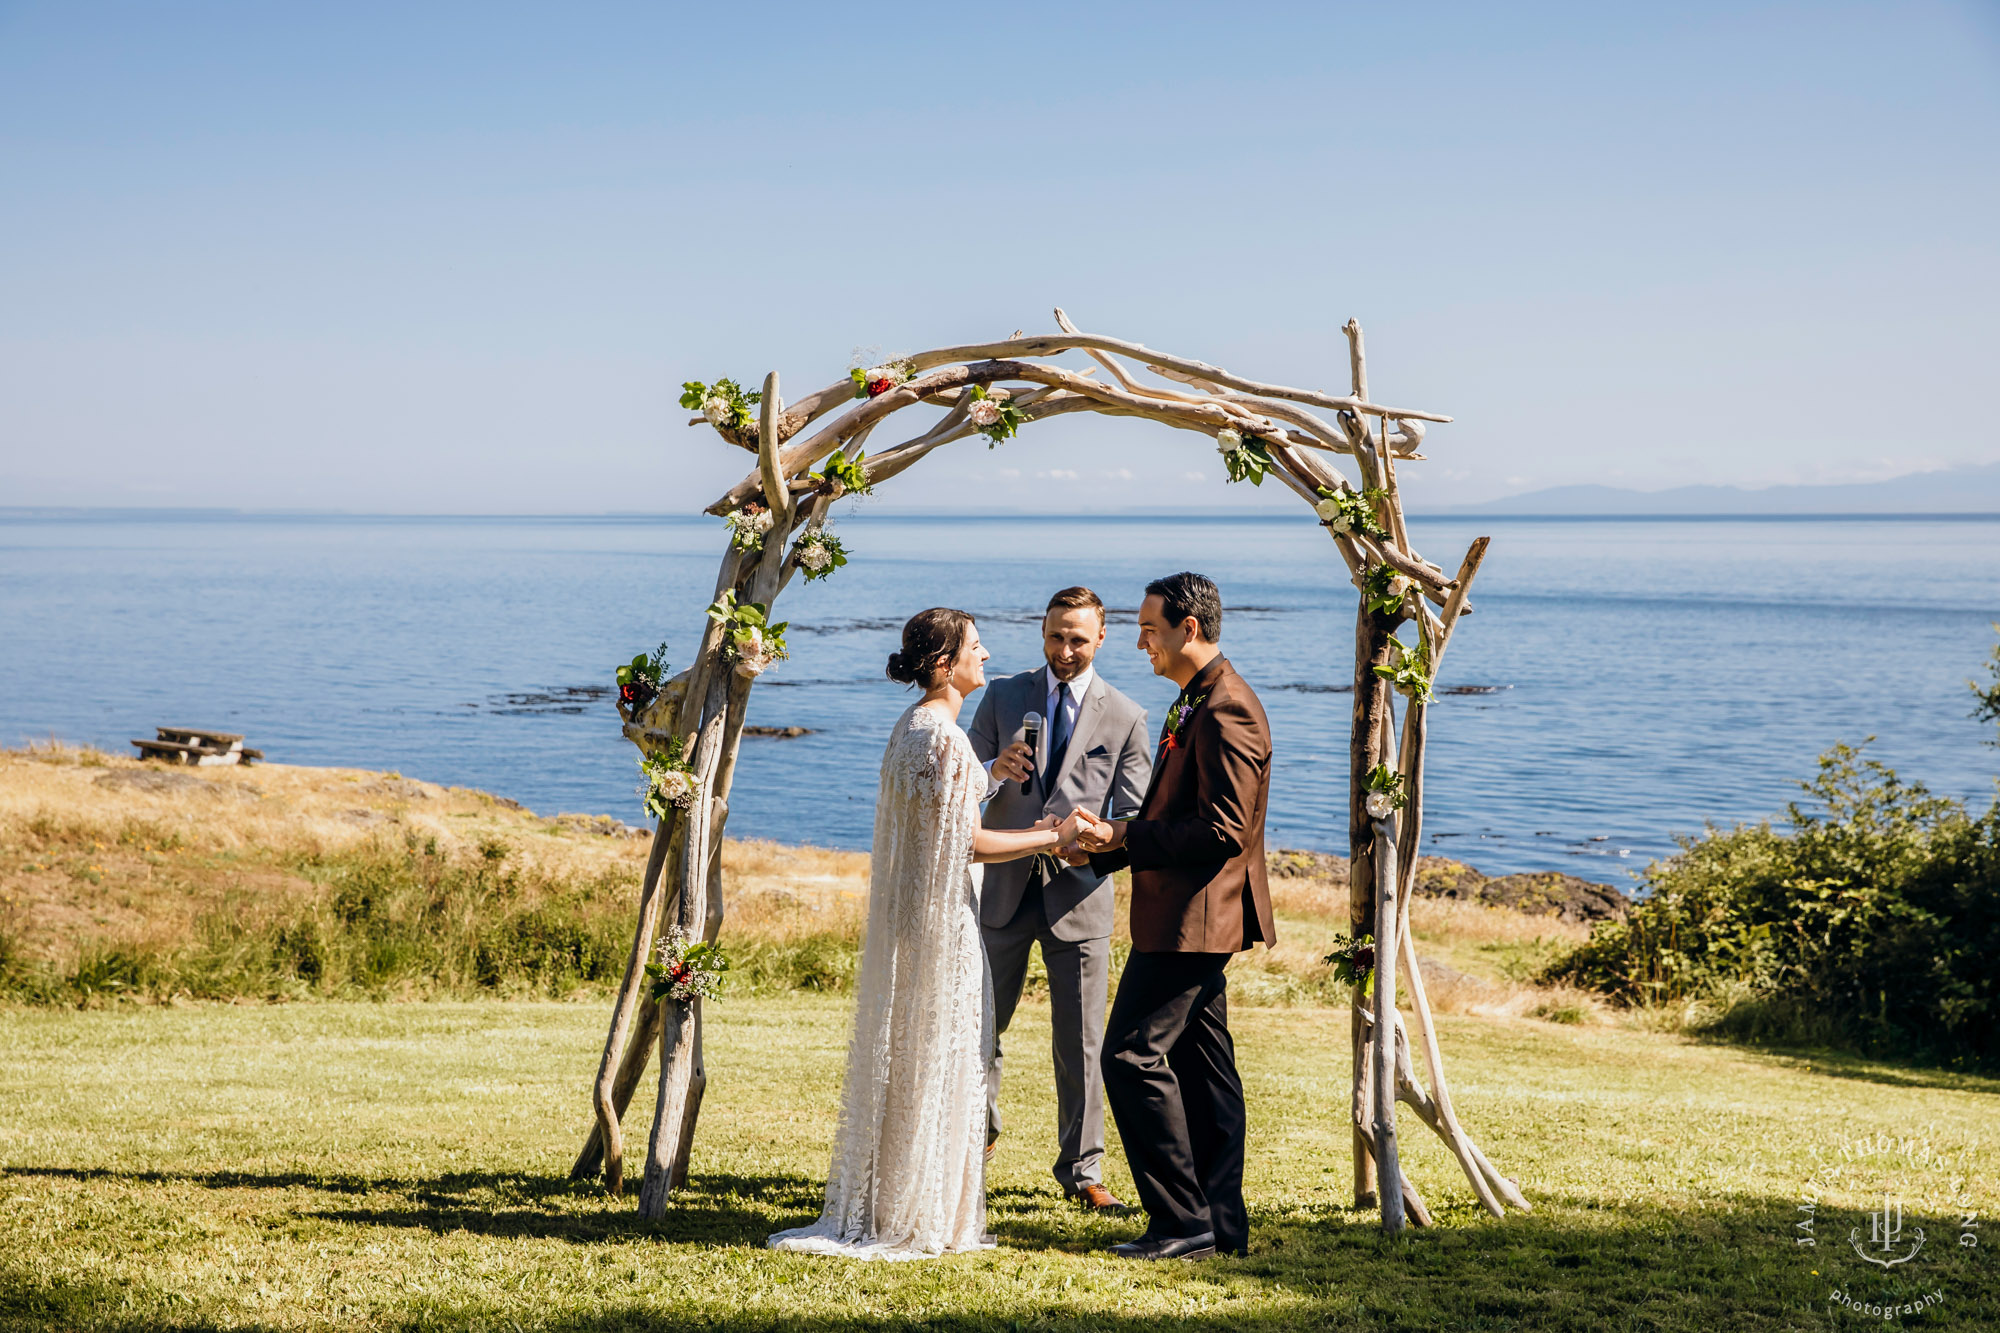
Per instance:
{"type": "Point", "coordinates": [1829, 1062]}
{"type": "Point", "coordinates": [1575, 1266]}
{"type": "Point", "coordinates": [717, 1208]}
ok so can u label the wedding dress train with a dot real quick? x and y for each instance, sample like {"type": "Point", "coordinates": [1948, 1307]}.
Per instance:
{"type": "Point", "coordinates": [908, 1179]}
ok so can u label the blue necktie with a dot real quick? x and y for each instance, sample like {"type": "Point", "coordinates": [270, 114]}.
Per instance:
{"type": "Point", "coordinates": [1058, 738]}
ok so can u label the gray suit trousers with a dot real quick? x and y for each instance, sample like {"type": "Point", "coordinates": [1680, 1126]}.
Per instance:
{"type": "Point", "coordinates": [1079, 981]}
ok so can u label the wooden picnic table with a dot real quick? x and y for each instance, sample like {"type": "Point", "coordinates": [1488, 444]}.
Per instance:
{"type": "Point", "coordinates": [197, 746]}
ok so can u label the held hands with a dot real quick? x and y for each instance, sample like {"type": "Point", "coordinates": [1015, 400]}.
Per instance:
{"type": "Point", "coordinates": [1102, 835]}
{"type": "Point", "coordinates": [1083, 833]}
{"type": "Point", "coordinates": [1014, 764]}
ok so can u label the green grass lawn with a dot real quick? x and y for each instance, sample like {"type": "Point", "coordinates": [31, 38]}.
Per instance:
{"type": "Point", "coordinates": [402, 1165]}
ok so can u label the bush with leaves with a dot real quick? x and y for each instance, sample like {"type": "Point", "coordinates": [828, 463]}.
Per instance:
{"type": "Point", "coordinates": [1988, 707]}
{"type": "Point", "coordinates": [1873, 922]}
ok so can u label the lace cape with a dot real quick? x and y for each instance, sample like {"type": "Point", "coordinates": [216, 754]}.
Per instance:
{"type": "Point", "coordinates": [908, 1178]}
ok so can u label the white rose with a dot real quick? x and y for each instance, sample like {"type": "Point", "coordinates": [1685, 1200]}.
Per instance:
{"type": "Point", "coordinates": [814, 557]}
{"type": "Point", "coordinates": [1379, 804]}
{"type": "Point", "coordinates": [752, 643]}
{"type": "Point", "coordinates": [762, 522]}
{"type": "Point", "coordinates": [675, 786]}
{"type": "Point", "coordinates": [1229, 441]}
{"type": "Point", "coordinates": [751, 665]}
{"type": "Point", "coordinates": [716, 410]}
{"type": "Point", "coordinates": [985, 412]}
{"type": "Point", "coordinates": [1328, 510]}
{"type": "Point", "coordinates": [876, 374]}
{"type": "Point", "coordinates": [1398, 586]}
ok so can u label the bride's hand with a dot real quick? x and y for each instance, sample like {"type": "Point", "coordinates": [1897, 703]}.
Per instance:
{"type": "Point", "coordinates": [1076, 823]}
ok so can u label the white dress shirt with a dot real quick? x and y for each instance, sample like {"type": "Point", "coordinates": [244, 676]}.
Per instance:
{"type": "Point", "coordinates": [1078, 688]}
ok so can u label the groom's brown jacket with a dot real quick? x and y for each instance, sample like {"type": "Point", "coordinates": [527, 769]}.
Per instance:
{"type": "Point", "coordinates": [1197, 847]}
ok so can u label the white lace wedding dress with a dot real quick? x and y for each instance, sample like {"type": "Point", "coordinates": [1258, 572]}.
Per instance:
{"type": "Point", "coordinates": [908, 1179]}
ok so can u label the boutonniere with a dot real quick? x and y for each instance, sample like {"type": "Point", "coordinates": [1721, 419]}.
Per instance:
{"type": "Point", "coordinates": [1177, 717]}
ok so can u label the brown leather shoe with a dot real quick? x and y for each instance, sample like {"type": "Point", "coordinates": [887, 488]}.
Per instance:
{"type": "Point", "coordinates": [1097, 1199]}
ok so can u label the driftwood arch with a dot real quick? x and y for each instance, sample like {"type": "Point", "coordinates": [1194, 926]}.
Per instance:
{"type": "Point", "coordinates": [701, 710]}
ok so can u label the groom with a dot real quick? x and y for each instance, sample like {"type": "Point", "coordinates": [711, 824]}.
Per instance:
{"type": "Point", "coordinates": [1092, 756]}
{"type": "Point", "coordinates": [1196, 851]}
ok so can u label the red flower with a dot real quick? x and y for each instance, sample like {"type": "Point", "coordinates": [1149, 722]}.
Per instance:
{"type": "Point", "coordinates": [1173, 741]}
{"type": "Point", "coordinates": [628, 694]}
{"type": "Point", "coordinates": [876, 388]}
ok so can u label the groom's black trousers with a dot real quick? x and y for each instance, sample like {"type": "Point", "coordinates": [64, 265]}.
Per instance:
{"type": "Point", "coordinates": [1170, 1078]}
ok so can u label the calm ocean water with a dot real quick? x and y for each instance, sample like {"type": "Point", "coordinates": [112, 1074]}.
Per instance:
{"type": "Point", "coordinates": [1635, 678]}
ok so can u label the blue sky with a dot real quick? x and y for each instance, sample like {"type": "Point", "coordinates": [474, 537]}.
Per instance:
{"type": "Point", "coordinates": [459, 258]}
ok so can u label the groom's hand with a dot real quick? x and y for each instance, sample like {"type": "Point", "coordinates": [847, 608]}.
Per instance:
{"type": "Point", "coordinates": [1014, 763]}
{"type": "Point", "coordinates": [1101, 836]}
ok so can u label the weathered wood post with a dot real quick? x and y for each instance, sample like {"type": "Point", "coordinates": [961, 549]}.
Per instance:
{"type": "Point", "coordinates": [1388, 1167]}
{"type": "Point", "coordinates": [680, 1056]}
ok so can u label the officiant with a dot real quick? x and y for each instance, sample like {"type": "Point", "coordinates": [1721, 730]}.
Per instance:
{"type": "Point", "coordinates": [1092, 751]}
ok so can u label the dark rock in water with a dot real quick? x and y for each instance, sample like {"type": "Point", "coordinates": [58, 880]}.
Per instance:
{"type": "Point", "coordinates": [783, 732]}
{"type": "Point", "coordinates": [1544, 894]}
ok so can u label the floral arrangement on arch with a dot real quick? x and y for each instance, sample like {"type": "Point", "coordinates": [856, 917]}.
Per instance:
{"type": "Point", "coordinates": [844, 476]}
{"type": "Point", "coordinates": [818, 552]}
{"type": "Point", "coordinates": [1346, 510]}
{"type": "Point", "coordinates": [747, 526]}
{"type": "Point", "coordinates": [874, 381]}
{"type": "Point", "coordinates": [639, 679]}
{"type": "Point", "coordinates": [994, 414]}
{"type": "Point", "coordinates": [725, 403]}
{"type": "Point", "coordinates": [686, 970]}
{"type": "Point", "coordinates": [1244, 458]}
{"type": "Point", "coordinates": [1353, 960]}
{"type": "Point", "coordinates": [1410, 672]}
{"type": "Point", "coordinates": [670, 782]}
{"type": "Point", "coordinates": [749, 639]}
{"type": "Point", "coordinates": [1385, 792]}
{"type": "Point", "coordinates": [1384, 589]}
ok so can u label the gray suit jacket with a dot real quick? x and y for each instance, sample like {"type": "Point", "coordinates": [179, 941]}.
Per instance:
{"type": "Point", "coordinates": [1105, 771]}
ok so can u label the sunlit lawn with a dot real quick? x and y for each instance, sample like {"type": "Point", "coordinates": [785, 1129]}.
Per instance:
{"type": "Point", "coordinates": [403, 1165]}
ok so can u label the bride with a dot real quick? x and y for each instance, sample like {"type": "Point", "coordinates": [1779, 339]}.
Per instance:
{"type": "Point", "coordinates": [908, 1178]}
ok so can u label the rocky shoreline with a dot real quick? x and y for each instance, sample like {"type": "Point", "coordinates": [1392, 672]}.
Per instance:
{"type": "Point", "coordinates": [1548, 893]}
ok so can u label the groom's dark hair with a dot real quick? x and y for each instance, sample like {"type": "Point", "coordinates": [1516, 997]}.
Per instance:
{"type": "Point", "coordinates": [1183, 595]}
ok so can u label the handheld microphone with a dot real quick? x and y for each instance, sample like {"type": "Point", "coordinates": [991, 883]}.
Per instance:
{"type": "Point", "coordinates": [1031, 735]}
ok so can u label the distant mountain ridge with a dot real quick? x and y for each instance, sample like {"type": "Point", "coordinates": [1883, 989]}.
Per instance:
{"type": "Point", "coordinates": [1963, 490]}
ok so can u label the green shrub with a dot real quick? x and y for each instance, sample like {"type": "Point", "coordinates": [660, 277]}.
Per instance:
{"type": "Point", "coordinates": [1873, 921]}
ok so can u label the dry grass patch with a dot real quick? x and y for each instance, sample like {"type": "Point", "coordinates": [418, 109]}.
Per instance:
{"type": "Point", "coordinates": [276, 881]}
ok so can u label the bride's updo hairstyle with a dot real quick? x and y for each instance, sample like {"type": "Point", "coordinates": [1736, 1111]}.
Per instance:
{"type": "Point", "coordinates": [931, 640]}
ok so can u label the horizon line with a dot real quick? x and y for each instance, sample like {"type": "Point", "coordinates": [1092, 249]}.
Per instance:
{"type": "Point", "coordinates": [1259, 514]}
